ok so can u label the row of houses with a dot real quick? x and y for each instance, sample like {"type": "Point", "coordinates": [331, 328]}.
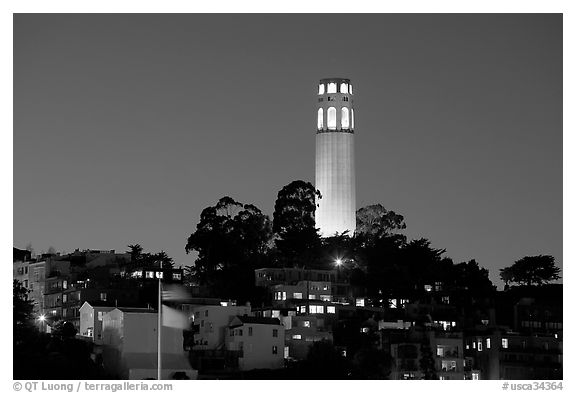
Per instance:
{"type": "Point", "coordinates": [514, 335]}
{"type": "Point", "coordinates": [60, 284]}
{"type": "Point", "coordinates": [316, 305]}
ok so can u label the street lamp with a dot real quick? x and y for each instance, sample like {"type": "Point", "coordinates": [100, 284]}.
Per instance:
{"type": "Point", "coordinates": [338, 262]}
{"type": "Point", "coordinates": [42, 320]}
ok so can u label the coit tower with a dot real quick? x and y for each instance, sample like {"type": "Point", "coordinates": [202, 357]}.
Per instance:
{"type": "Point", "coordinates": [335, 178]}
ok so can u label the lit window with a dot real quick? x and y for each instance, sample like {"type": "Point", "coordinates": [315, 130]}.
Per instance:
{"type": "Point", "coordinates": [320, 118]}
{"type": "Point", "coordinates": [474, 344]}
{"type": "Point", "coordinates": [306, 323]}
{"type": "Point", "coordinates": [360, 302]}
{"type": "Point", "coordinates": [487, 343]}
{"type": "Point", "coordinates": [302, 309]}
{"type": "Point", "coordinates": [326, 298]}
{"type": "Point", "coordinates": [321, 88]}
{"type": "Point", "coordinates": [439, 351]}
{"type": "Point", "coordinates": [345, 118]}
{"type": "Point", "coordinates": [331, 310]}
{"type": "Point", "coordinates": [364, 330]}
{"type": "Point", "coordinates": [275, 313]}
{"type": "Point", "coordinates": [331, 118]}
{"type": "Point", "coordinates": [149, 274]}
{"type": "Point", "coordinates": [475, 376]}
{"type": "Point", "coordinates": [297, 337]}
{"type": "Point", "coordinates": [393, 303]}
{"type": "Point", "coordinates": [479, 345]}
{"type": "Point", "coordinates": [103, 296]}
{"type": "Point", "coordinates": [274, 332]}
{"type": "Point", "coordinates": [274, 350]}
{"type": "Point", "coordinates": [312, 297]}
{"type": "Point", "coordinates": [332, 87]}
{"type": "Point", "coordinates": [428, 288]}
{"type": "Point", "coordinates": [344, 88]}
{"type": "Point", "coordinates": [286, 352]}
{"type": "Point", "coordinates": [100, 315]}
{"type": "Point", "coordinates": [316, 309]}
{"type": "Point", "coordinates": [159, 275]}
{"type": "Point", "coordinates": [352, 117]}
{"type": "Point", "coordinates": [297, 295]}
{"type": "Point", "coordinates": [350, 89]}
{"type": "Point", "coordinates": [504, 343]}
{"type": "Point", "coordinates": [176, 276]}
{"type": "Point", "coordinates": [65, 284]}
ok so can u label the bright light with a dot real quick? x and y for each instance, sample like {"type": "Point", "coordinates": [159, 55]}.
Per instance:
{"type": "Point", "coordinates": [42, 318]}
{"type": "Point", "coordinates": [338, 262]}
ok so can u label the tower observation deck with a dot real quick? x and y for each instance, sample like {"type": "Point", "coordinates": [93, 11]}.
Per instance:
{"type": "Point", "coordinates": [335, 172]}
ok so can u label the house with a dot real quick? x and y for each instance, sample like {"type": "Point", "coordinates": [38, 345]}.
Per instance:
{"type": "Point", "coordinates": [258, 342]}
{"type": "Point", "coordinates": [130, 346]}
{"type": "Point", "coordinates": [91, 319]}
{"type": "Point", "coordinates": [211, 322]}
{"type": "Point", "coordinates": [504, 354]}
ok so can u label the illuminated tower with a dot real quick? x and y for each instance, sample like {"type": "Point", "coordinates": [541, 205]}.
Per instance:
{"type": "Point", "coordinates": [335, 176]}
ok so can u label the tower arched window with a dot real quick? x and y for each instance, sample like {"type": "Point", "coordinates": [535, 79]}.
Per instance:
{"type": "Point", "coordinates": [321, 88]}
{"type": "Point", "coordinates": [352, 116]}
{"type": "Point", "coordinates": [331, 118]}
{"type": "Point", "coordinates": [332, 87]}
{"type": "Point", "coordinates": [344, 88]}
{"type": "Point", "coordinates": [320, 118]}
{"type": "Point", "coordinates": [345, 118]}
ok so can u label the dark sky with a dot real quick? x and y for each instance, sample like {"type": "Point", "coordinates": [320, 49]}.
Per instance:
{"type": "Point", "coordinates": [127, 126]}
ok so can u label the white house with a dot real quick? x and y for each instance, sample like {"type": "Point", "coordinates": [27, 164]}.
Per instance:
{"type": "Point", "coordinates": [211, 322]}
{"type": "Point", "coordinates": [91, 318]}
{"type": "Point", "coordinates": [259, 342]}
{"type": "Point", "coordinates": [130, 340]}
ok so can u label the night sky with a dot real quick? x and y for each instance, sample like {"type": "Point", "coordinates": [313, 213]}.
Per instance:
{"type": "Point", "coordinates": [127, 126]}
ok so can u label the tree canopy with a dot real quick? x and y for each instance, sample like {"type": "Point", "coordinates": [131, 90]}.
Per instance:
{"type": "Point", "coordinates": [374, 221]}
{"type": "Point", "coordinates": [531, 270]}
{"type": "Point", "coordinates": [231, 240]}
{"type": "Point", "coordinates": [150, 259]}
{"type": "Point", "coordinates": [297, 239]}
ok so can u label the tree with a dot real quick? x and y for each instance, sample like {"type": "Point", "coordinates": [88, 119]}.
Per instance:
{"type": "Point", "coordinates": [231, 240]}
{"type": "Point", "coordinates": [23, 317]}
{"type": "Point", "coordinates": [531, 270]}
{"type": "Point", "coordinates": [147, 259]}
{"type": "Point", "coordinates": [375, 221]}
{"type": "Point", "coordinates": [370, 363]}
{"type": "Point", "coordinates": [427, 364]}
{"type": "Point", "coordinates": [324, 361]}
{"type": "Point", "coordinates": [297, 238]}
{"type": "Point", "coordinates": [135, 252]}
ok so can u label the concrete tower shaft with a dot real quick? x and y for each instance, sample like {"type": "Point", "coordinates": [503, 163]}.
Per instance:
{"type": "Point", "coordinates": [335, 170]}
